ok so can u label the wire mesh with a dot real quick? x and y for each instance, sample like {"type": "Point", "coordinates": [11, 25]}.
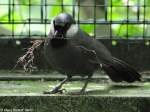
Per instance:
{"type": "Point", "coordinates": [111, 19]}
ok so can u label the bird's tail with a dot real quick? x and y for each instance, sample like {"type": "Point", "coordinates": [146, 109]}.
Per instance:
{"type": "Point", "coordinates": [120, 71]}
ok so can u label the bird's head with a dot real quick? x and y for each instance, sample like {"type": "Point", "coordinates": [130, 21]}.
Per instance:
{"type": "Point", "coordinates": [61, 24]}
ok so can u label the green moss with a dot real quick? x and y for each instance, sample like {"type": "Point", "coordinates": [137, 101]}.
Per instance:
{"type": "Point", "coordinates": [75, 103]}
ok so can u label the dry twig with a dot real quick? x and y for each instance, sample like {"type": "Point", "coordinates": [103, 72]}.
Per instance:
{"type": "Point", "coordinates": [27, 60]}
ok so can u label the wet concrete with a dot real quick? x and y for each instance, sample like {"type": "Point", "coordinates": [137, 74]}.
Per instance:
{"type": "Point", "coordinates": [24, 96]}
{"type": "Point", "coordinates": [101, 95]}
{"type": "Point", "coordinates": [21, 82]}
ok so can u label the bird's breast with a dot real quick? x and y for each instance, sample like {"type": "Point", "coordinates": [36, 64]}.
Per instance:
{"type": "Point", "coordinates": [58, 43]}
{"type": "Point", "coordinates": [69, 60]}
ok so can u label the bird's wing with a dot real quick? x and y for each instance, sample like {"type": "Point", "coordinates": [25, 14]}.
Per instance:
{"type": "Point", "coordinates": [89, 54]}
{"type": "Point", "coordinates": [81, 38]}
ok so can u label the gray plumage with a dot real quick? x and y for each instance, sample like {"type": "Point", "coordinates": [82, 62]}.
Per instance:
{"type": "Point", "coordinates": [71, 51]}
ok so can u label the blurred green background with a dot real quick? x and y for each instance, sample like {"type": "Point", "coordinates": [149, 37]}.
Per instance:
{"type": "Point", "coordinates": [31, 18]}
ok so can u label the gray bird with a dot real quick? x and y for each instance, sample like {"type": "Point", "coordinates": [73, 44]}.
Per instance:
{"type": "Point", "coordinates": [72, 52]}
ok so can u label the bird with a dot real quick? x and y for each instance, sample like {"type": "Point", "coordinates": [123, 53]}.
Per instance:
{"type": "Point", "coordinates": [72, 52]}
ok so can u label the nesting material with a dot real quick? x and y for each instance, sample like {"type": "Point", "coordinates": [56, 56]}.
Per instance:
{"type": "Point", "coordinates": [27, 60]}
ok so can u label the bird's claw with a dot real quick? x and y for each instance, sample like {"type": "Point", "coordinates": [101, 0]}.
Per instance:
{"type": "Point", "coordinates": [82, 92]}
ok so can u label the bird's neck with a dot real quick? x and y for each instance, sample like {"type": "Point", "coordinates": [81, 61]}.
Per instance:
{"type": "Point", "coordinates": [58, 43]}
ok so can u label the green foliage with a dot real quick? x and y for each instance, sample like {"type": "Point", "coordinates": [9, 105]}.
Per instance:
{"type": "Point", "coordinates": [117, 11]}
{"type": "Point", "coordinates": [25, 9]}
{"type": "Point", "coordinates": [124, 30]}
{"type": "Point", "coordinates": [88, 28]}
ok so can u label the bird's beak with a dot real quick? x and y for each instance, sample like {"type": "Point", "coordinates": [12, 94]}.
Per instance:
{"type": "Point", "coordinates": [55, 33]}
{"type": "Point", "coordinates": [58, 35]}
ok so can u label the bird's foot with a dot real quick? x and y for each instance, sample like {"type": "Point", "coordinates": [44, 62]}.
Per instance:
{"type": "Point", "coordinates": [54, 91]}
{"type": "Point", "coordinates": [82, 92]}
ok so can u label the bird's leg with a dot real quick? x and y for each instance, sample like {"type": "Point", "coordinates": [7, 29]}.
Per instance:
{"type": "Point", "coordinates": [85, 84]}
{"type": "Point", "coordinates": [57, 88]}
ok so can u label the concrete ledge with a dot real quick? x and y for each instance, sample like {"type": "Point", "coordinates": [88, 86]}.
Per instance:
{"type": "Point", "coordinates": [48, 78]}
{"type": "Point", "coordinates": [59, 77]}
{"type": "Point", "coordinates": [54, 76]}
{"type": "Point", "coordinates": [42, 103]}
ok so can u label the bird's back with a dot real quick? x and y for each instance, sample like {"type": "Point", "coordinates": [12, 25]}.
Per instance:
{"type": "Point", "coordinates": [81, 38]}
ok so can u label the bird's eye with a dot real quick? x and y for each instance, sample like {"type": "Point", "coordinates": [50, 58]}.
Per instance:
{"type": "Point", "coordinates": [67, 25]}
{"type": "Point", "coordinates": [62, 24]}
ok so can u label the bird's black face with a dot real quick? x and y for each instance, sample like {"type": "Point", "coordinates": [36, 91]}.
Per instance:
{"type": "Point", "coordinates": [61, 25]}
{"type": "Point", "coordinates": [61, 29]}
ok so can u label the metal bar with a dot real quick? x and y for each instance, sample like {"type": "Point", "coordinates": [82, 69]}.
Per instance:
{"type": "Point", "coordinates": [144, 24]}
{"type": "Point", "coordinates": [82, 5]}
{"type": "Point", "coordinates": [29, 18]}
{"type": "Point", "coordinates": [80, 22]}
{"type": "Point", "coordinates": [13, 10]}
{"type": "Point", "coordinates": [42, 10]}
{"type": "Point", "coordinates": [138, 10]}
{"type": "Point", "coordinates": [99, 37]}
{"type": "Point", "coordinates": [111, 19]}
{"type": "Point", "coordinates": [73, 8]}
{"type": "Point", "coordinates": [9, 10]}
{"type": "Point", "coordinates": [127, 33]}
{"type": "Point", "coordinates": [45, 27]}
{"type": "Point", "coordinates": [78, 13]}
{"type": "Point", "coordinates": [62, 6]}
{"type": "Point", "coordinates": [106, 8]}
{"type": "Point", "coordinates": [94, 18]}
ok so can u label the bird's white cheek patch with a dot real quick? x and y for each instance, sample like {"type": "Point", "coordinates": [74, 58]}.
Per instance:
{"type": "Point", "coordinates": [72, 30]}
